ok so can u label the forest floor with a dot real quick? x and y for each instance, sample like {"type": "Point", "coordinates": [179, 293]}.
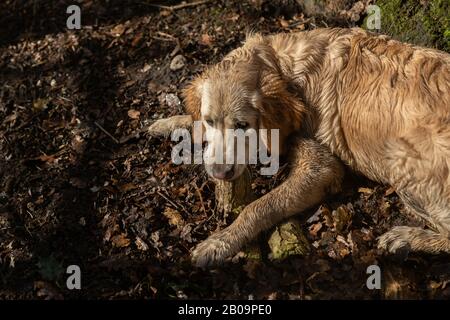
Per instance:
{"type": "Point", "coordinates": [82, 184]}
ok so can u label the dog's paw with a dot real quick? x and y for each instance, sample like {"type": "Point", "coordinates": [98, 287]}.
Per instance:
{"type": "Point", "coordinates": [164, 127]}
{"type": "Point", "coordinates": [161, 128]}
{"type": "Point", "coordinates": [396, 240]}
{"type": "Point", "coordinates": [212, 251]}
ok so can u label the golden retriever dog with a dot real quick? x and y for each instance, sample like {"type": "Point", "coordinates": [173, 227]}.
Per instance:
{"type": "Point", "coordinates": [343, 97]}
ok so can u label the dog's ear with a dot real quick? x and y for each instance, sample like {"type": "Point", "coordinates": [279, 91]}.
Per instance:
{"type": "Point", "coordinates": [270, 79]}
{"type": "Point", "coordinates": [279, 108]}
{"type": "Point", "coordinates": [192, 98]}
{"type": "Point", "coordinates": [266, 57]}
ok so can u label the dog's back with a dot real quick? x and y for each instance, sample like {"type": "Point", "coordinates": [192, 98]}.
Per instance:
{"type": "Point", "coordinates": [384, 108]}
{"type": "Point", "coordinates": [394, 109]}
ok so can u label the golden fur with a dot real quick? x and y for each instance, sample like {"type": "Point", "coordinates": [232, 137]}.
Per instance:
{"type": "Point", "coordinates": [348, 97]}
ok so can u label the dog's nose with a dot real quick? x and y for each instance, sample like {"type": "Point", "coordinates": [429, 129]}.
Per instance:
{"type": "Point", "coordinates": [223, 171]}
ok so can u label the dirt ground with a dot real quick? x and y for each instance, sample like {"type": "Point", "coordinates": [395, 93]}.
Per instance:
{"type": "Point", "coordinates": [81, 183]}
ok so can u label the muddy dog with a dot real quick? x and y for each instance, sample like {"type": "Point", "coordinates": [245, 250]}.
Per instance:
{"type": "Point", "coordinates": [343, 97]}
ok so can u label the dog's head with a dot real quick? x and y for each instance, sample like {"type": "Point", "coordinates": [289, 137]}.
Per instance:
{"type": "Point", "coordinates": [244, 92]}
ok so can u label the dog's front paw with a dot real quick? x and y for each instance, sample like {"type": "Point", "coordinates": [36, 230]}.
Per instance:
{"type": "Point", "coordinates": [396, 240]}
{"type": "Point", "coordinates": [212, 251]}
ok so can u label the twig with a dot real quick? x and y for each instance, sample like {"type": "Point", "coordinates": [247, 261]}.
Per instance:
{"type": "Point", "coordinates": [179, 6]}
{"type": "Point", "coordinates": [177, 206]}
{"type": "Point", "coordinates": [162, 39]}
{"type": "Point", "coordinates": [106, 132]}
{"type": "Point", "coordinates": [167, 35]}
{"type": "Point", "coordinates": [296, 23]}
{"type": "Point", "coordinates": [200, 196]}
{"type": "Point", "coordinates": [167, 199]}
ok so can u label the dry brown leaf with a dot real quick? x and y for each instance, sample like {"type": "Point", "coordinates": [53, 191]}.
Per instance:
{"type": "Point", "coordinates": [234, 17]}
{"type": "Point", "coordinates": [39, 200]}
{"type": "Point", "coordinates": [175, 218]}
{"type": "Point", "coordinates": [206, 40]}
{"type": "Point", "coordinates": [389, 191]}
{"type": "Point", "coordinates": [252, 268]}
{"type": "Point", "coordinates": [47, 158]}
{"type": "Point", "coordinates": [47, 291]}
{"type": "Point", "coordinates": [314, 229]}
{"type": "Point", "coordinates": [118, 30]}
{"type": "Point", "coordinates": [365, 190]}
{"type": "Point", "coordinates": [140, 244]}
{"type": "Point", "coordinates": [284, 23]}
{"type": "Point", "coordinates": [127, 187]}
{"type": "Point", "coordinates": [165, 13]}
{"type": "Point", "coordinates": [134, 114]}
{"type": "Point", "coordinates": [137, 39]}
{"type": "Point", "coordinates": [10, 118]}
{"type": "Point", "coordinates": [120, 241]}
{"type": "Point", "coordinates": [341, 218]}
{"type": "Point", "coordinates": [40, 104]}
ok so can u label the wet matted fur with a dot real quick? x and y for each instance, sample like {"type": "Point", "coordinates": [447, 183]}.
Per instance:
{"type": "Point", "coordinates": [347, 98]}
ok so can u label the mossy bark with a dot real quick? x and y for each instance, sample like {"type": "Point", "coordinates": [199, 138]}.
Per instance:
{"type": "Point", "coordinates": [288, 239]}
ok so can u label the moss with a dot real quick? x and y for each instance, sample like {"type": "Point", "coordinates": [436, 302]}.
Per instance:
{"type": "Point", "coordinates": [423, 23]}
{"type": "Point", "coordinates": [288, 239]}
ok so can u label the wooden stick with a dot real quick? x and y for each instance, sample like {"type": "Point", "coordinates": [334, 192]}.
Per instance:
{"type": "Point", "coordinates": [178, 6]}
{"type": "Point", "coordinates": [232, 196]}
{"type": "Point", "coordinates": [106, 132]}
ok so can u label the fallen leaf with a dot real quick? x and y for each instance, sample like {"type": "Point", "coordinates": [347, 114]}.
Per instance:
{"type": "Point", "coordinates": [284, 23]}
{"type": "Point", "coordinates": [140, 244]}
{"type": "Point", "coordinates": [154, 237]}
{"type": "Point", "coordinates": [252, 268]}
{"type": "Point", "coordinates": [118, 30]}
{"type": "Point", "coordinates": [10, 118]}
{"type": "Point", "coordinates": [177, 63]}
{"type": "Point", "coordinates": [120, 241]}
{"type": "Point", "coordinates": [145, 68]}
{"type": "Point", "coordinates": [206, 39]}
{"type": "Point", "coordinates": [127, 187]}
{"type": "Point", "coordinates": [365, 190]}
{"type": "Point", "coordinates": [40, 104]}
{"type": "Point", "coordinates": [316, 216]}
{"type": "Point", "coordinates": [341, 218]}
{"type": "Point", "coordinates": [134, 114]}
{"type": "Point", "coordinates": [186, 233]}
{"type": "Point", "coordinates": [47, 158]}
{"type": "Point", "coordinates": [165, 13]}
{"type": "Point", "coordinates": [175, 218]}
{"type": "Point", "coordinates": [389, 191]}
{"type": "Point", "coordinates": [314, 229]}
{"type": "Point", "coordinates": [47, 291]}
{"type": "Point", "coordinates": [137, 39]}
{"type": "Point", "coordinates": [234, 17]}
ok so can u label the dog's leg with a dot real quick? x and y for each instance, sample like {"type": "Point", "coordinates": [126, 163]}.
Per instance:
{"type": "Point", "coordinates": [420, 171]}
{"type": "Point", "coordinates": [164, 127]}
{"type": "Point", "coordinates": [315, 173]}
{"type": "Point", "coordinates": [429, 204]}
{"type": "Point", "coordinates": [414, 239]}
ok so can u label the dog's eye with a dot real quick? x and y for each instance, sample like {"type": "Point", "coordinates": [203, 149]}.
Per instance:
{"type": "Point", "coordinates": [209, 122]}
{"type": "Point", "coordinates": [241, 125]}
